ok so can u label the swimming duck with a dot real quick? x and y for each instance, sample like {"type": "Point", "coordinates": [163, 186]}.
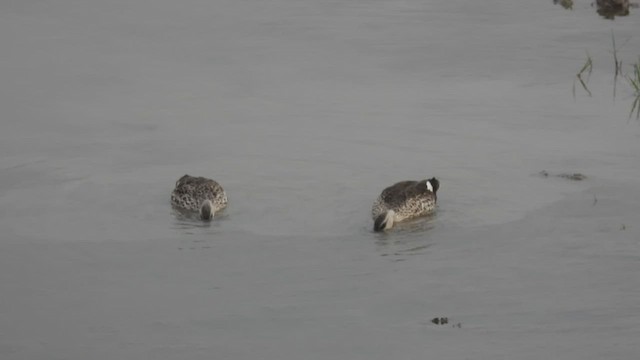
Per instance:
{"type": "Point", "coordinates": [404, 200]}
{"type": "Point", "coordinates": [199, 194]}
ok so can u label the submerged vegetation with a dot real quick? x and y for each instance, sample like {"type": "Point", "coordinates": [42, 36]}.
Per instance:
{"type": "Point", "coordinates": [633, 77]}
{"type": "Point", "coordinates": [634, 81]}
{"type": "Point", "coordinates": [567, 4]}
{"type": "Point", "coordinates": [617, 63]}
{"type": "Point", "coordinates": [568, 176]}
{"type": "Point", "coordinates": [609, 9]}
{"type": "Point", "coordinates": [588, 67]}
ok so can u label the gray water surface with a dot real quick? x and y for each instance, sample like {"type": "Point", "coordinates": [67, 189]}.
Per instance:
{"type": "Point", "coordinates": [304, 111]}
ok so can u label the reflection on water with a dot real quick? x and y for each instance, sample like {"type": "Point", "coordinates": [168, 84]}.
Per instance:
{"type": "Point", "coordinates": [406, 238]}
{"type": "Point", "coordinates": [199, 233]}
{"type": "Point", "coordinates": [187, 220]}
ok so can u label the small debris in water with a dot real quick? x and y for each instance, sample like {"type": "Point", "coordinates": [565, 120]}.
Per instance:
{"type": "Point", "coordinates": [574, 176]}
{"type": "Point", "coordinates": [568, 176]}
{"type": "Point", "coordinates": [567, 4]}
{"type": "Point", "coordinates": [440, 320]}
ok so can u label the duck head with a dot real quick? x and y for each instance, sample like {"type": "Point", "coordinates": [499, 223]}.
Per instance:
{"type": "Point", "coordinates": [206, 210]}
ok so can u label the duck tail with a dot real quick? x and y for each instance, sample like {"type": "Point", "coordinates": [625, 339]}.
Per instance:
{"type": "Point", "coordinates": [384, 221]}
{"type": "Point", "coordinates": [206, 210]}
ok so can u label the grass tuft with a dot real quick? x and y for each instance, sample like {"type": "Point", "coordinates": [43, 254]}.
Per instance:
{"type": "Point", "coordinates": [634, 80]}
{"type": "Point", "coordinates": [587, 67]}
{"type": "Point", "coordinates": [618, 63]}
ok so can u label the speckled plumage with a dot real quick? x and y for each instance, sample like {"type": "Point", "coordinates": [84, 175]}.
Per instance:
{"type": "Point", "coordinates": [404, 200]}
{"type": "Point", "coordinates": [192, 193]}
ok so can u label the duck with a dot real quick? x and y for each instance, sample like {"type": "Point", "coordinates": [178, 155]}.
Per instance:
{"type": "Point", "coordinates": [403, 201]}
{"type": "Point", "coordinates": [199, 194]}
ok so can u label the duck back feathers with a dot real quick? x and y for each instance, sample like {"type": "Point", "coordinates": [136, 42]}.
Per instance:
{"type": "Point", "coordinates": [404, 200]}
{"type": "Point", "coordinates": [199, 194]}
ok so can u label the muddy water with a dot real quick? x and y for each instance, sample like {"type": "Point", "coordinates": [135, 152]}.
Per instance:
{"type": "Point", "coordinates": [304, 111]}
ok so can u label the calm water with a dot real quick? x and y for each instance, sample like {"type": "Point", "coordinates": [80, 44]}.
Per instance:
{"type": "Point", "coordinates": [304, 111]}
